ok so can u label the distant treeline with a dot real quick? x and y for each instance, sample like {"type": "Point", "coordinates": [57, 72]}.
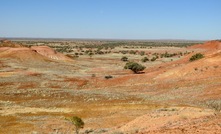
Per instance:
{"type": "Point", "coordinates": [111, 44]}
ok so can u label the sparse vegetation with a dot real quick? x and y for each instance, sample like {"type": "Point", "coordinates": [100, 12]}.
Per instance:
{"type": "Point", "coordinates": [214, 104]}
{"type": "Point", "coordinates": [94, 92]}
{"type": "Point", "coordinates": [196, 57]}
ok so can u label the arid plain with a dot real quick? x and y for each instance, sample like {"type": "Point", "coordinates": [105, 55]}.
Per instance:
{"type": "Point", "coordinates": [44, 81]}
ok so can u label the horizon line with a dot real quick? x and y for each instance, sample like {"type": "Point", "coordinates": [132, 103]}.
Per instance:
{"type": "Point", "coordinates": [98, 39]}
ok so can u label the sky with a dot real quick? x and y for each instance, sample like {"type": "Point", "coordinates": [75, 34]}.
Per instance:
{"type": "Point", "coordinates": [111, 19]}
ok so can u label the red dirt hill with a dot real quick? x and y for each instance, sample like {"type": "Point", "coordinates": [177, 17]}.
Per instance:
{"type": "Point", "coordinates": [49, 52]}
{"type": "Point", "coordinates": [210, 45]}
{"type": "Point", "coordinates": [9, 49]}
{"type": "Point", "coordinates": [22, 54]}
{"type": "Point", "coordinates": [207, 67]}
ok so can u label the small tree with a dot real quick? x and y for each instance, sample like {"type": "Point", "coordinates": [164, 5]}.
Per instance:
{"type": "Point", "coordinates": [135, 67]}
{"type": "Point", "coordinates": [124, 58]}
{"type": "Point", "coordinates": [77, 122]}
{"type": "Point", "coordinates": [196, 57]}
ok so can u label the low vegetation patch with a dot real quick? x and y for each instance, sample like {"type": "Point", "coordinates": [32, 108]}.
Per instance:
{"type": "Point", "coordinates": [214, 104]}
{"type": "Point", "coordinates": [196, 57]}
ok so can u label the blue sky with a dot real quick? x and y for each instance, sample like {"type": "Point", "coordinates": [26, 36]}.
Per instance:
{"type": "Point", "coordinates": [111, 19]}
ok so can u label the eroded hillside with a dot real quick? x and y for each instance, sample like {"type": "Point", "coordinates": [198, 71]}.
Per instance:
{"type": "Point", "coordinates": [39, 87]}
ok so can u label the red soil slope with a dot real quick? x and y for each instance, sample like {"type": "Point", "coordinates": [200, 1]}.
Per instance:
{"type": "Point", "coordinates": [22, 54]}
{"type": "Point", "coordinates": [205, 72]}
{"type": "Point", "coordinates": [33, 54]}
{"type": "Point", "coordinates": [210, 45]}
{"type": "Point", "coordinates": [50, 53]}
{"type": "Point", "coordinates": [173, 120]}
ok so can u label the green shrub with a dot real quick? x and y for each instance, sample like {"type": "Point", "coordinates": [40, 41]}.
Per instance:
{"type": "Point", "coordinates": [154, 58]}
{"type": "Point", "coordinates": [196, 57]}
{"type": "Point", "coordinates": [108, 77]}
{"type": "Point", "coordinates": [77, 122]}
{"type": "Point", "coordinates": [124, 58]}
{"type": "Point", "coordinates": [90, 54]}
{"type": "Point", "coordinates": [145, 59]}
{"type": "Point", "coordinates": [135, 67]}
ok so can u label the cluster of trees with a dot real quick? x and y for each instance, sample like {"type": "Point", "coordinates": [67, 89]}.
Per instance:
{"type": "Point", "coordinates": [136, 68]}
{"type": "Point", "coordinates": [62, 49]}
{"type": "Point", "coordinates": [105, 47]}
{"type": "Point", "coordinates": [145, 44]}
{"type": "Point", "coordinates": [91, 48]}
{"type": "Point", "coordinates": [157, 55]}
{"type": "Point", "coordinates": [99, 47]}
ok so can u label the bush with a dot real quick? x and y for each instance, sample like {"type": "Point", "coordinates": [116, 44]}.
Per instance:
{"type": "Point", "coordinates": [196, 57]}
{"type": "Point", "coordinates": [124, 58]}
{"type": "Point", "coordinates": [135, 67]}
{"type": "Point", "coordinates": [77, 122]}
{"type": "Point", "coordinates": [142, 53]}
{"type": "Point", "coordinates": [145, 59]}
{"type": "Point", "coordinates": [108, 77]}
{"type": "Point", "coordinates": [132, 52]}
{"type": "Point", "coordinates": [93, 75]}
{"type": "Point", "coordinates": [154, 58]}
{"type": "Point", "coordinates": [90, 54]}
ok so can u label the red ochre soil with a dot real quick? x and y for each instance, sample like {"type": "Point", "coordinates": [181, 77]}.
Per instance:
{"type": "Point", "coordinates": [168, 98]}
